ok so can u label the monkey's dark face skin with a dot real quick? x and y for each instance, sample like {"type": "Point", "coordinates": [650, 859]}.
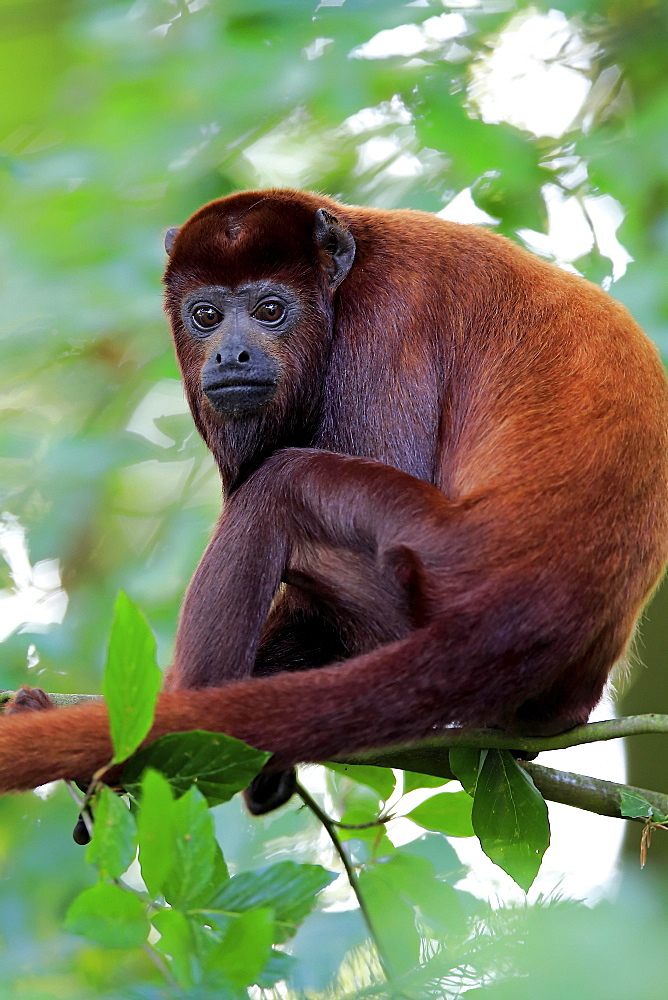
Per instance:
{"type": "Point", "coordinates": [241, 330]}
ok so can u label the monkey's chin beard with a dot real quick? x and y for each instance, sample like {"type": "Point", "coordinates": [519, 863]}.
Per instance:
{"type": "Point", "coordinates": [244, 398]}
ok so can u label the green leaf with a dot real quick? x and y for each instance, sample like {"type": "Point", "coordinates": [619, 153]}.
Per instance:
{"type": "Point", "coordinates": [188, 885]}
{"type": "Point", "coordinates": [381, 779]}
{"type": "Point", "coordinates": [219, 765]}
{"type": "Point", "coordinates": [131, 678]}
{"type": "Point", "coordinates": [634, 806]}
{"type": "Point", "coordinates": [510, 817]}
{"type": "Point", "coordinates": [114, 842]}
{"type": "Point", "coordinates": [401, 885]}
{"type": "Point", "coordinates": [413, 780]}
{"type": "Point", "coordinates": [465, 763]}
{"type": "Point", "coordinates": [178, 853]}
{"type": "Point", "coordinates": [244, 950]}
{"type": "Point", "coordinates": [365, 851]}
{"type": "Point", "coordinates": [287, 888]}
{"type": "Point", "coordinates": [449, 812]}
{"type": "Point", "coordinates": [176, 944]}
{"type": "Point", "coordinates": [220, 872]}
{"type": "Point", "coordinates": [392, 917]}
{"type": "Point", "coordinates": [205, 935]}
{"type": "Point", "coordinates": [441, 908]}
{"type": "Point", "coordinates": [155, 831]}
{"type": "Point", "coordinates": [109, 915]}
{"type": "Point", "coordinates": [414, 879]}
{"type": "Point", "coordinates": [319, 947]}
{"type": "Point", "coordinates": [279, 966]}
{"type": "Point", "coordinates": [438, 851]}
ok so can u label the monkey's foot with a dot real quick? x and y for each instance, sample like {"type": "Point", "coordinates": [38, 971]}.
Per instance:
{"type": "Point", "coordinates": [28, 699]}
{"type": "Point", "coordinates": [269, 790]}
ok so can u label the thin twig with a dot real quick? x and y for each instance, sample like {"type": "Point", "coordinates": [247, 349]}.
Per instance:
{"type": "Point", "coordinates": [160, 963]}
{"type": "Point", "coordinates": [75, 794]}
{"type": "Point", "coordinates": [379, 821]}
{"type": "Point", "coordinates": [329, 826]}
{"type": "Point", "coordinates": [495, 739]}
{"type": "Point", "coordinates": [82, 804]}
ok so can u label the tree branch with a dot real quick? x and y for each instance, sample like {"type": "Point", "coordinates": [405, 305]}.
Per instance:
{"type": "Point", "coordinates": [495, 739]}
{"type": "Point", "coordinates": [593, 794]}
{"type": "Point", "coordinates": [578, 790]}
{"type": "Point", "coordinates": [61, 700]}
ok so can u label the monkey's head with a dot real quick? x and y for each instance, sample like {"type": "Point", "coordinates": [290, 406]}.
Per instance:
{"type": "Point", "coordinates": [250, 293]}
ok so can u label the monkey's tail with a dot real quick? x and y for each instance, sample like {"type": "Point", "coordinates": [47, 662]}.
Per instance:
{"type": "Point", "coordinates": [398, 693]}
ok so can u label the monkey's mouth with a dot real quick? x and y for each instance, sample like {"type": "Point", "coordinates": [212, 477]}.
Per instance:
{"type": "Point", "coordinates": [233, 397]}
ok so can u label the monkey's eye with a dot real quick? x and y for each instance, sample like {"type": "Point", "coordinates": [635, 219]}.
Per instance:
{"type": "Point", "coordinates": [205, 317]}
{"type": "Point", "coordinates": [270, 311]}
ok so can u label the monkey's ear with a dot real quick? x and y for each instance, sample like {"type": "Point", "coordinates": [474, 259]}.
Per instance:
{"type": "Point", "coordinates": [170, 238]}
{"type": "Point", "coordinates": [336, 244]}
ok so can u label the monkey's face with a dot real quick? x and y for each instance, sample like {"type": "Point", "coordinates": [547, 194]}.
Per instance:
{"type": "Point", "coordinates": [250, 286]}
{"type": "Point", "coordinates": [242, 333]}
{"type": "Point", "coordinates": [250, 289]}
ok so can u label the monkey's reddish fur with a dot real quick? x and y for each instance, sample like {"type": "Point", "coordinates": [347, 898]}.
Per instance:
{"type": "Point", "coordinates": [462, 481]}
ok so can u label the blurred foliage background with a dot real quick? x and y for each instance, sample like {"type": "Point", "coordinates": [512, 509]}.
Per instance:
{"type": "Point", "coordinates": [118, 119]}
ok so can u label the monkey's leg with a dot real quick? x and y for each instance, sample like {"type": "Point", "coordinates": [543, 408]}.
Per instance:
{"type": "Point", "coordinates": [314, 623]}
{"type": "Point", "coordinates": [298, 635]}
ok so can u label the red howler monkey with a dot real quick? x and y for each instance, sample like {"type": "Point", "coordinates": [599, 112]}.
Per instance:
{"type": "Point", "coordinates": [445, 470]}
